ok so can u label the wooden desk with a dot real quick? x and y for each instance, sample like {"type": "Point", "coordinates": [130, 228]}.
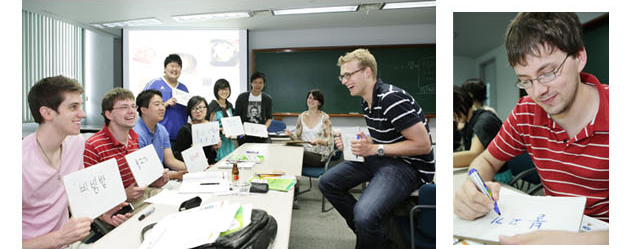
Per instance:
{"type": "Point", "coordinates": [277, 204]}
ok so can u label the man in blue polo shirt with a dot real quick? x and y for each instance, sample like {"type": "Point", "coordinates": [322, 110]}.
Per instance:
{"type": "Point", "coordinates": [151, 110]}
{"type": "Point", "coordinates": [175, 115]}
{"type": "Point", "coordinates": [398, 154]}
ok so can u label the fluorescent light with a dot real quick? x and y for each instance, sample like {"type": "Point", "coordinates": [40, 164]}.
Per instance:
{"type": "Point", "coordinates": [407, 5]}
{"type": "Point", "coordinates": [130, 23]}
{"type": "Point", "coordinates": [316, 10]}
{"type": "Point", "coordinates": [211, 16]}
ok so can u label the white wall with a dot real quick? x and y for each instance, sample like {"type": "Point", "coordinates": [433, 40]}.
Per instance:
{"type": "Point", "coordinates": [383, 35]}
{"type": "Point", "coordinates": [464, 68]}
{"type": "Point", "coordinates": [506, 92]}
{"type": "Point", "coordinates": [99, 73]}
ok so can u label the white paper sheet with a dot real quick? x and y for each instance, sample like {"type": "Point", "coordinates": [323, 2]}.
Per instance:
{"type": "Point", "coordinates": [241, 165]}
{"type": "Point", "coordinates": [232, 126]}
{"type": "Point", "coordinates": [206, 134]}
{"type": "Point", "coordinates": [523, 214]}
{"type": "Point", "coordinates": [205, 182]}
{"type": "Point", "coordinates": [195, 159]}
{"type": "Point", "coordinates": [145, 165]}
{"type": "Point", "coordinates": [181, 96]}
{"type": "Point", "coordinates": [347, 148]}
{"type": "Point", "coordinates": [168, 232]}
{"type": "Point", "coordinates": [94, 190]}
{"type": "Point", "coordinates": [256, 130]}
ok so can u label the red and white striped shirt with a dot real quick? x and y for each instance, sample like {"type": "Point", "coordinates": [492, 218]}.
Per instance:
{"type": "Point", "coordinates": [102, 146]}
{"type": "Point", "coordinates": [567, 166]}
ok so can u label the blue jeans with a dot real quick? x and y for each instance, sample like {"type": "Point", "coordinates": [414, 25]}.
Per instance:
{"type": "Point", "coordinates": [391, 182]}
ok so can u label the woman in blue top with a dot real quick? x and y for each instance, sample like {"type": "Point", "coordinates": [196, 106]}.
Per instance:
{"type": "Point", "coordinates": [221, 108]}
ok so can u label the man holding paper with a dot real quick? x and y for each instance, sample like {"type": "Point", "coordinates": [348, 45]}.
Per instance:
{"type": "Point", "coordinates": [398, 155]}
{"type": "Point", "coordinates": [562, 124]}
{"type": "Point", "coordinates": [175, 115]}
{"type": "Point", "coordinates": [116, 140]}
{"type": "Point", "coordinates": [150, 131]}
{"type": "Point", "coordinates": [254, 107]}
{"type": "Point", "coordinates": [48, 155]}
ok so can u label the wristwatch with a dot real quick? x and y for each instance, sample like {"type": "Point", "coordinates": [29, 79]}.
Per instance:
{"type": "Point", "coordinates": [381, 150]}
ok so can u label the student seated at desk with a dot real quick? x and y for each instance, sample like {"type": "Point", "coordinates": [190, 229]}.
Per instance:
{"type": "Point", "coordinates": [118, 139]}
{"type": "Point", "coordinates": [480, 127]}
{"type": "Point", "coordinates": [562, 124]}
{"type": "Point", "coordinates": [150, 131]}
{"type": "Point", "coordinates": [52, 152]}
{"type": "Point", "coordinates": [197, 107]}
{"type": "Point", "coordinates": [314, 126]}
{"type": "Point", "coordinates": [218, 109]}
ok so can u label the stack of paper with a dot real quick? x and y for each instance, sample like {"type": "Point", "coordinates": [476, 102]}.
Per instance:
{"type": "Point", "coordinates": [183, 229]}
{"type": "Point", "coordinates": [205, 182]}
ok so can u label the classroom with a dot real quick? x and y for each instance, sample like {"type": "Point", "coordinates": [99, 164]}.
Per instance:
{"type": "Point", "coordinates": [114, 49]}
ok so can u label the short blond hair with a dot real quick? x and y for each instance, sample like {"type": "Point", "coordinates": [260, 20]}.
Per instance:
{"type": "Point", "coordinates": [363, 56]}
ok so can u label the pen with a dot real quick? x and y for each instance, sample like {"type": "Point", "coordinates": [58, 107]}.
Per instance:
{"type": "Point", "coordinates": [209, 183]}
{"type": "Point", "coordinates": [146, 213]}
{"type": "Point", "coordinates": [476, 178]}
{"type": "Point", "coordinates": [251, 152]}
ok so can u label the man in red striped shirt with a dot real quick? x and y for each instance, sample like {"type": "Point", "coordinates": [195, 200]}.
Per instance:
{"type": "Point", "coordinates": [118, 139]}
{"type": "Point", "coordinates": [562, 124]}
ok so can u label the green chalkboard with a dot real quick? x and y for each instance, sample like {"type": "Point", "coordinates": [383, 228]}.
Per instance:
{"type": "Point", "coordinates": [291, 73]}
{"type": "Point", "coordinates": [596, 44]}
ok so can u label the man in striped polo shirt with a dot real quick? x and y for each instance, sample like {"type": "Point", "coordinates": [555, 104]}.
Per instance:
{"type": "Point", "coordinates": [562, 124]}
{"type": "Point", "coordinates": [398, 154]}
{"type": "Point", "coordinates": [118, 139]}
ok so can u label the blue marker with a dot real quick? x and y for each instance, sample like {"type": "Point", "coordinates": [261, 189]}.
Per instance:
{"type": "Point", "coordinates": [476, 178]}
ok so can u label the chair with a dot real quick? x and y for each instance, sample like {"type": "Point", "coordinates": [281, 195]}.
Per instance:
{"type": "Point", "coordinates": [526, 177]}
{"type": "Point", "coordinates": [419, 226]}
{"type": "Point", "coordinates": [276, 126]}
{"type": "Point", "coordinates": [316, 172]}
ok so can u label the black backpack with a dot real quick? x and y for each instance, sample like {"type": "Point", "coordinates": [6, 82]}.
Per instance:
{"type": "Point", "coordinates": [257, 235]}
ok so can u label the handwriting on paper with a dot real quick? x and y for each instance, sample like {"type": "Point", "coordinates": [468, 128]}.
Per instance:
{"type": "Point", "coordinates": [94, 190]}
{"type": "Point", "coordinates": [206, 134]}
{"type": "Point", "coordinates": [232, 126]}
{"type": "Point", "coordinates": [256, 130]}
{"type": "Point", "coordinates": [195, 159]}
{"type": "Point", "coordinates": [181, 97]}
{"type": "Point", "coordinates": [145, 165]}
{"type": "Point", "coordinates": [532, 224]}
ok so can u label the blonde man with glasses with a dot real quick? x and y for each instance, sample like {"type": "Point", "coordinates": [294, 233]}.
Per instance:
{"type": "Point", "coordinates": [398, 153]}
{"type": "Point", "coordinates": [562, 124]}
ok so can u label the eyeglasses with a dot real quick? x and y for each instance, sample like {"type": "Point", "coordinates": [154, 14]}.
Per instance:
{"type": "Point", "coordinates": [348, 75]}
{"type": "Point", "coordinates": [199, 108]}
{"type": "Point", "coordinates": [542, 79]}
{"type": "Point", "coordinates": [126, 107]}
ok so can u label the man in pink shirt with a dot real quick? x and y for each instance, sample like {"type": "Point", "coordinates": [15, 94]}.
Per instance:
{"type": "Point", "coordinates": [49, 154]}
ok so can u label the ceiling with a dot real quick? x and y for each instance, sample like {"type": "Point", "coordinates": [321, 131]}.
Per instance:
{"type": "Point", "coordinates": [476, 33]}
{"type": "Point", "coordinates": [85, 12]}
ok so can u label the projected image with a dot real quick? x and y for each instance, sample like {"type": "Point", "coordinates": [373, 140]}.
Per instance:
{"type": "Point", "coordinates": [207, 55]}
{"type": "Point", "coordinates": [223, 53]}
